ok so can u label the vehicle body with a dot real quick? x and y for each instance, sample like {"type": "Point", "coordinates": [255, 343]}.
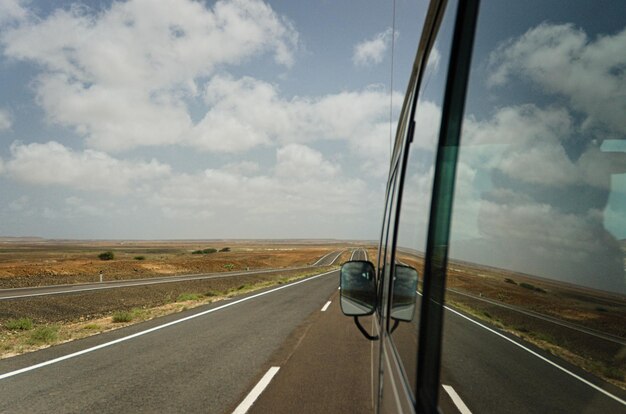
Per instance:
{"type": "Point", "coordinates": [506, 189]}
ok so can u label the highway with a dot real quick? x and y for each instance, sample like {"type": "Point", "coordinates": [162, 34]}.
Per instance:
{"type": "Point", "coordinates": [202, 364]}
{"type": "Point", "coordinates": [294, 342]}
{"type": "Point", "coordinates": [16, 293]}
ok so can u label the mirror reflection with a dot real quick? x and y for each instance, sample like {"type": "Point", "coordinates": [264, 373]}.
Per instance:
{"type": "Point", "coordinates": [358, 288]}
{"type": "Point", "coordinates": [404, 293]}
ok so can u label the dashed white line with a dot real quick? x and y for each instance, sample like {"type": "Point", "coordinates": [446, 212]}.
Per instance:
{"type": "Point", "coordinates": [156, 328]}
{"type": "Point", "coordinates": [256, 391]}
{"type": "Point", "coordinates": [326, 306]}
{"type": "Point", "coordinates": [460, 405]}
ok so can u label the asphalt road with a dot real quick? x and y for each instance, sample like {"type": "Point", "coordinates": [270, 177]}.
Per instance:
{"type": "Point", "coordinates": [494, 375]}
{"type": "Point", "coordinates": [205, 364]}
{"type": "Point", "coordinates": [15, 293]}
{"type": "Point", "coordinates": [6, 294]}
{"type": "Point", "coordinates": [209, 363]}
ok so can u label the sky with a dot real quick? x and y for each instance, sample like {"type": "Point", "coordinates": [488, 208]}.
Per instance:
{"type": "Point", "coordinates": [185, 119]}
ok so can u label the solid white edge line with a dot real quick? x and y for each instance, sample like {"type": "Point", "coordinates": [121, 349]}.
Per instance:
{"type": "Point", "coordinates": [326, 306]}
{"type": "Point", "coordinates": [183, 278]}
{"type": "Point", "coordinates": [554, 364]}
{"type": "Point", "coordinates": [456, 399]}
{"type": "Point", "coordinates": [256, 391]}
{"type": "Point", "coordinates": [156, 328]}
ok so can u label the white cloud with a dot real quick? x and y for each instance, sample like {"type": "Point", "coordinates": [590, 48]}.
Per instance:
{"type": "Point", "coordinates": [372, 51]}
{"type": "Point", "coordinates": [5, 120]}
{"type": "Point", "coordinates": [11, 11]}
{"type": "Point", "coordinates": [302, 182]}
{"type": "Point", "coordinates": [246, 113]}
{"type": "Point", "coordinates": [299, 162]}
{"type": "Point", "coordinates": [562, 60]}
{"type": "Point", "coordinates": [120, 77]}
{"type": "Point", "coordinates": [54, 164]}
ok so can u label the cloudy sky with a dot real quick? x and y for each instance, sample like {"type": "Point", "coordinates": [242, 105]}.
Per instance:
{"type": "Point", "coordinates": [198, 119]}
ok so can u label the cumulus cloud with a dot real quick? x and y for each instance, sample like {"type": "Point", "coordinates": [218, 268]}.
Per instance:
{"type": "Point", "coordinates": [54, 164]}
{"type": "Point", "coordinates": [5, 120]}
{"type": "Point", "coordinates": [246, 112]}
{"type": "Point", "coordinates": [562, 60]}
{"type": "Point", "coordinates": [372, 51]}
{"type": "Point", "coordinates": [120, 77]}
{"type": "Point", "coordinates": [302, 182]}
{"type": "Point", "coordinates": [12, 11]}
{"type": "Point", "coordinates": [299, 162]}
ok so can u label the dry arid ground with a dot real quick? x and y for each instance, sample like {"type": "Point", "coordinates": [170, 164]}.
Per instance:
{"type": "Point", "coordinates": [28, 324]}
{"type": "Point", "coordinates": [40, 263]}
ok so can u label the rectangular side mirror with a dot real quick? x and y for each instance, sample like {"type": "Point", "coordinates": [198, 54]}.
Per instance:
{"type": "Point", "coordinates": [404, 293]}
{"type": "Point", "coordinates": [358, 288]}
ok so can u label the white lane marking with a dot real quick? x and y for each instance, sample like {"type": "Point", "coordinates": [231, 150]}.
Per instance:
{"type": "Point", "coordinates": [322, 258]}
{"type": "Point", "coordinates": [337, 257]}
{"type": "Point", "coordinates": [326, 306]}
{"type": "Point", "coordinates": [140, 282]}
{"type": "Point", "coordinates": [460, 405]}
{"type": "Point", "coordinates": [156, 328]}
{"type": "Point", "coordinates": [256, 391]}
{"type": "Point", "coordinates": [554, 364]}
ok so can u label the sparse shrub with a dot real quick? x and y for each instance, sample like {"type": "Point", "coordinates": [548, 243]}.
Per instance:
{"type": "Point", "coordinates": [614, 373]}
{"type": "Point", "coordinates": [532, 287]}
{"type": "Point", "coordinates": [183, 297]}
{"type": "Point", "coordinates": [122, 316]}
{"type": "Point", "coordinates": [21, 324]}
{"type": "Point", "coordinates": [92, 327]}
{"type": "Point", "coordinates": [211, 293]}
{"type": "Point", "coordinates": [106, 255]}
{"type": "Point", "coordinates": [44, 335]}
{"type": "Point", "coordinates": [511, 281]}
{"type": "Point", "coordinates": [140, 257]}
{"type": "Point", "coordinates": [487, 314]}
{"type": "Point", "coordinates": [225, 249]}
{"type": "Point", "coordinates": [204, 251]}
{"type": "Point", "coordinates": [229, 266]}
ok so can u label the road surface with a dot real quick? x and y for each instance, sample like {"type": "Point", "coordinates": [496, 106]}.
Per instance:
{"type": "Point", "coordinates": [15, 293]}
{"type": "Point", "coordinates": [211, 361]}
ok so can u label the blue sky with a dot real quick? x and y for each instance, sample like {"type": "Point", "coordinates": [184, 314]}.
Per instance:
{"type": "Point", "coordinates": [182, 119]}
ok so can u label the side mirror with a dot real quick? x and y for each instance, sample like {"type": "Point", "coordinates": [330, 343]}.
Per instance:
{"type": "Point", "coordinates": [404, 293]}
{"type": "Point", "coordinates": [358, 288]}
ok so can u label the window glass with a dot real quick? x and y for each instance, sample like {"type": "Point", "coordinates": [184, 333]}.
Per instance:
{"type": "Point", "coordinates": [539, 222]}
{"type": "Point", "coordinates": [415, 204]}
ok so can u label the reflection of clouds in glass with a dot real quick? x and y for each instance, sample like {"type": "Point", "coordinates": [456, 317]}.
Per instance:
{"type": "Point", "coordinates": [563, 60]}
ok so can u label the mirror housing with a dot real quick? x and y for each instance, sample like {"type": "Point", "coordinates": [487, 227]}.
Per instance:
{"type": "Point", "coordinates": [358, 289]}
{"type": "Point", "coordinates": [404, 293]}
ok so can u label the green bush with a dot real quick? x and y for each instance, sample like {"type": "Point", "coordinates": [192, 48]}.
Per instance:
{"type": "Point", "coordinates": [44, 335]}
{"type": "Point", "coordinates": [204, 251]}
{"type": "Point", "coordinates": [21, 324]}
{"type": "Point", "coordinates": [106, 255]}
{"type": "Point", "coordinates": [122, 316]}
{"type": "Point", "coordinates": [229, 266]}
{"type": "Point", "coordinates": [225, 249]}
{"type": "Point", "coordinates": [183, 297]}
{"type": "Point", "coordinates": [532, 287]}
{"type": "Point", "coordinates": [140, 257]}
{"type": "Point", "coordinates": [511, 281]}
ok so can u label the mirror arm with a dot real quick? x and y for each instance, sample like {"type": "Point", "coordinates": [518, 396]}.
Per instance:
{"type": "Point", "coordinates": [396, 322]}
{"type": "Point", "coordinates": [363, 331]}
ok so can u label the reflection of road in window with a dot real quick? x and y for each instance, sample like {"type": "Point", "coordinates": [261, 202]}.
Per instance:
{"type": "Point", "coordinates": [540, 202]}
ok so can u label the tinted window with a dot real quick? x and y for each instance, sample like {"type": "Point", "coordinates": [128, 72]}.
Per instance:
{"type": "Point", "coordinates": [416, 196]}
{"type": "Point", "coordinates": [539, 222]}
